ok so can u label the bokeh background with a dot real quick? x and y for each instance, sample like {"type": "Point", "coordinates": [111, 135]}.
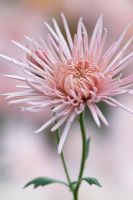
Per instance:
{"type": "Point", "coordinates": [25, 155]}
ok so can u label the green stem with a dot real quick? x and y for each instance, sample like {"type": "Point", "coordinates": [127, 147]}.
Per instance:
{"type": "Point", "coordinates": [83, 159]}
{"type": "Point", "coordinates": [63, 160]}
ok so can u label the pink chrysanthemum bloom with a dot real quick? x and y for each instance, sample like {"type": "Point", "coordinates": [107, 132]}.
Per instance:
{"type": "Point", "coordinates": [69, 75]}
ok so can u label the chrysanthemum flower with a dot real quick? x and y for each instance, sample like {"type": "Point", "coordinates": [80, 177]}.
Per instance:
{"type": "Point", "coordinates": [68, 75]}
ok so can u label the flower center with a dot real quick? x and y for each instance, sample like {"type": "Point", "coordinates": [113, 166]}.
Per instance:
{"type": "Point", "coordinates": [80, 82]}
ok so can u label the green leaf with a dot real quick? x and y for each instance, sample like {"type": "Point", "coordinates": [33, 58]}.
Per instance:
{"type": "Point", "coordinates": [92, 181]}
{"type": "Point", "coordinates": [43, 181]}
{"type": "Point", "coordinates": [88, 146]}
{"type": "Point", "coordinates": [73, 185]}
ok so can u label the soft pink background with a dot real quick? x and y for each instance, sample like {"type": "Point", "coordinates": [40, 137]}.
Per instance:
{"type": "Point", "coordinates": [25, 155]}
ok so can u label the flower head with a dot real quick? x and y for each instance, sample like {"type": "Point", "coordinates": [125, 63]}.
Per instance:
{"type": "Point", "coordinates": [69, 75]}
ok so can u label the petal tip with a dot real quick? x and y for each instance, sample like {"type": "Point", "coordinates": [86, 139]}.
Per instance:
{"type": "Point", "coordinates": [59, 149]}
{"type": "Point", "coordinates": [37, 131]}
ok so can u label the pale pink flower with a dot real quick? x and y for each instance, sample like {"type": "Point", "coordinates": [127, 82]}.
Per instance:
{"type": "Point", "coordinates": [68, 75]}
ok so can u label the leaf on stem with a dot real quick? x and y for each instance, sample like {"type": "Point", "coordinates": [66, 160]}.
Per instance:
{"type": "Point", "coordinates": [92, 181]}
{"type": "Point", "coordinates": [43, 181]}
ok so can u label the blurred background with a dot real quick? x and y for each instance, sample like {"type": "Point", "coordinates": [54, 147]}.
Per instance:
{"type": "Point", "coordinates": [25, 155]}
